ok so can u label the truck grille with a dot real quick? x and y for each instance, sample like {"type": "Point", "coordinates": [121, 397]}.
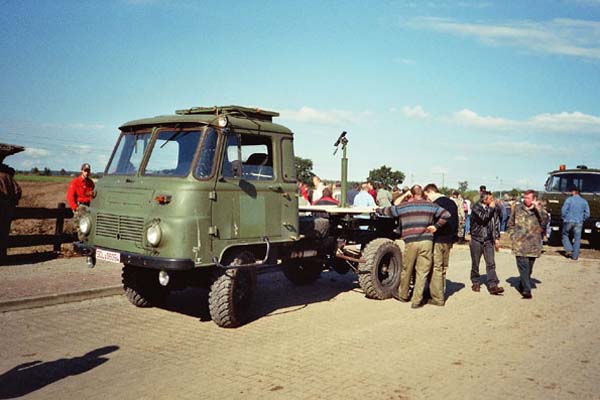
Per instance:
{"type": "Point", "coordinates": [120, 227]}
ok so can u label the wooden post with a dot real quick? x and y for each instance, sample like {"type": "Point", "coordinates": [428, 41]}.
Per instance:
{"type": "Point", "coordinates": [60, 222]}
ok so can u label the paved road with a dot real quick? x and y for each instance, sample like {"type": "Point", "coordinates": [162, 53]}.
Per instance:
{"type": "Point", "coordinates": [321, 341]}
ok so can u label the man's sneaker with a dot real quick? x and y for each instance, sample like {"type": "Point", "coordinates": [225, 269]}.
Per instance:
{"type": "Point", "coordinates": [526, 295]}
{"type": "Point", "coordinates": [496, 290]}
{"type": "Point", "coordinates": [476, 287]}
{"type": "Point", "coordinates": [416, 305]}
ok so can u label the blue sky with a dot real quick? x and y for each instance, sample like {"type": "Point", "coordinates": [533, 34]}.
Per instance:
{"type": "Point", "coordinates": [495, 93]}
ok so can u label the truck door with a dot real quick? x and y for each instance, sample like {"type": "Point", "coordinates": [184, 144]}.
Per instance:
{"type": "Point", "coordinates": [246, 204]}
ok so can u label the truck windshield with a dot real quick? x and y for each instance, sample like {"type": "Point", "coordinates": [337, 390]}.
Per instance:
{"type": "Point", "coordinates": [173, 153]}
{"type": "Point", "coordinates": [129, 154]}
{"type": "Point", "coordinates": [587, 183]}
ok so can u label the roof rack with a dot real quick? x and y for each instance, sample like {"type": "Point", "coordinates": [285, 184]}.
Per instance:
{"type": "Point", "coordinates": [244, 112]}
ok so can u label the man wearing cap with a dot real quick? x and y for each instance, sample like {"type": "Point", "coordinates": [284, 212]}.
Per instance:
{"type": "Point", "coordinates": [575, 210]}
{"type": "Point", "coordinates": [10, 194]}
{"type": "Point", "coordinates": [80, 193]}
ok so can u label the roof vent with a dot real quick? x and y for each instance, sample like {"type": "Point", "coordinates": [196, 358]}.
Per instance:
{"type": "Point", "coordinates": [582, 167]}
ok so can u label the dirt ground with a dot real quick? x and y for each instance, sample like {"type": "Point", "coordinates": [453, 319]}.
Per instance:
{"type": "Point", "coordinates": [40, 194]}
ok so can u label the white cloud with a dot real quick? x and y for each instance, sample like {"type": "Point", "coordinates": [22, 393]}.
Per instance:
{"type": "Point", "coordinates": [563, 36]}
{"type": "Point", "coordinates": [34, 152]}
{"type": "Point", "coordinates": [415, 112]}
{"type": "Point", "coordinates": [569, 122]}
{"type": "Point", "coordinates": [325, 117]}
{"type": "Point", "coordinates": [460, 158]}
{"type": "Point", "coordinates": [471, 118]}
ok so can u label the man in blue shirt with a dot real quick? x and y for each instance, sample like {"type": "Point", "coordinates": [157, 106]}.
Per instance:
{"type": "Point", "coordinates": [575, 210]}
{"type": "Point", "coordinates": [363, 198]}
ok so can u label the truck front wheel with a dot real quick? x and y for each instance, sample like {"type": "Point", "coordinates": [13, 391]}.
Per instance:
{"type": "Point", "coordinates": [141, 286]}
{"type": "Point", "coordinates": [232, 292]}
{"type": "Point", "coordinates": [379, 275]}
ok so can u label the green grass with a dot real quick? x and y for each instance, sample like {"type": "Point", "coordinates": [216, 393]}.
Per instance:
{"type": "Point", "coordinates": [42, 178]}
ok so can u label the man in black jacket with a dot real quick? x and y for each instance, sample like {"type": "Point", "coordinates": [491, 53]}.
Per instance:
{"type": "Point", "coordinates": [485, 238]}
{"type": "Point", "coordinates": [443, 239]}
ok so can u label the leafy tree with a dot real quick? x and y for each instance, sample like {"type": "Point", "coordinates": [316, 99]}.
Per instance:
{"type": "Point", "coordinates": [47, 171]}
{"type": "Point", "coordinates": [385, 175]}
{"type": "Point", "coordinates": [516, 193]}
{"type": "Point", "coordinates": [35, 171]}
{"type": "Point", "coordinates": [304, 168]}
{"type": "Point", "coordinates": [446, 191]}
{"type": "Point", "coordinates": [463, 186]}
{"type": "Point", "coordinates": [62, 172]}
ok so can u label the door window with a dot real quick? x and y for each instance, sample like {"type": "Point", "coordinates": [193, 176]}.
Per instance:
{"type": "Point", "coordinates": [248, 157]}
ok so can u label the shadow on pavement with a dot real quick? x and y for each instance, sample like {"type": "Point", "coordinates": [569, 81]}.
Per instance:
{"type": "Point", "coordinates": [31, 376]}
{"type": "Point", "coordinates": [453, 287]}
{"type": "Point", "coordinates": [273, 293]}
{"type": "Point", "coordinates": [514, 282]}
{"type": "Point", "coordinates": [33, 258]}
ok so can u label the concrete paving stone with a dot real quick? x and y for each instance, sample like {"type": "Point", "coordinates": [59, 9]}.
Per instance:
{"type": "Point", "coordinates": [325, 341]}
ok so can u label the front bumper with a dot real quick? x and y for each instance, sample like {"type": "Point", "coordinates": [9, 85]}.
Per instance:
{"type": "Point", "coordinates": [138, 260]}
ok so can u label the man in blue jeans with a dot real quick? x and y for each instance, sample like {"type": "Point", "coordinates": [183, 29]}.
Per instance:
{"type": "Point", "coordinates": [575, 210]}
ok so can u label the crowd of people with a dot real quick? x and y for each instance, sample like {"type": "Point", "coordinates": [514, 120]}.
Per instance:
{"type": "Point", "coordinates": [431, 223]}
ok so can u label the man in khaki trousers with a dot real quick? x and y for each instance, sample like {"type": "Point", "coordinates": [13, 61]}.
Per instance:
{"type": "Point", "coordinates": [418, 219]}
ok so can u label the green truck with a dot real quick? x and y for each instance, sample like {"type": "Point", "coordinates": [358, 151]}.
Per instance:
{"type": "Point", "coordinates": [208, 197]}
{"type": "Point", "coordinates": [556, 191]}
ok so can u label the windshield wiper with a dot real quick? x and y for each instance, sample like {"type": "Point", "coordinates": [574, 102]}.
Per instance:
{"type": "Point", "coordinates": [173, 136]}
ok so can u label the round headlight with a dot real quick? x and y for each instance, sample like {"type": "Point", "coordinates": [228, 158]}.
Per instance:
{"type": "Point", "coordinates": [222, 121]}
{"type": "Point", "coordinates": [598, 224]}
{"type": "Point", "coordinates": [153, 235]}
{"type": "Point", "coordinates": [85, 225]}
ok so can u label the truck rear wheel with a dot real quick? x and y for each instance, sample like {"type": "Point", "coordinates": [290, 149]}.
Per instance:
{"type": "Point", "coordinates": [141, 286]}
{"type": "Point", "coordinates": [231, 294]}
{"type": "Point", "coordinates": [379, 275]}
{"type": "Point", "coordinates": [303, 273]}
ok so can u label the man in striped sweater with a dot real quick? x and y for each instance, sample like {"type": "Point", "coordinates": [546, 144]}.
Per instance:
{"type": "Point", "coordinates": [419, 219]}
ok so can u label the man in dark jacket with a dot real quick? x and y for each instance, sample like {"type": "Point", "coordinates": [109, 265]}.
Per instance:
{"type": "Point", "coordinates": [485, 238]}
{"type": "Point", "coordinates": [443, 239]}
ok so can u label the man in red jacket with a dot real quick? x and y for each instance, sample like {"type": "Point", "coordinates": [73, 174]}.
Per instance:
{"type": "Point", "coordinates": [80, 193]}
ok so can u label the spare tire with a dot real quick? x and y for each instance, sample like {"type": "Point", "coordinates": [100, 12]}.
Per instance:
{"type": "Point", "coordinates": [379, 275]}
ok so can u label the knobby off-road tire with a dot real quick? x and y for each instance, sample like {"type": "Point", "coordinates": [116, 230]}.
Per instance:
{"type": "Point", "coordinates": [303, 272]}
{"type": "Point", "coordinates": [232, 294]}
{"type": "Point", "coordinates": [379, 275]}
{"type": "Point", "coordinates": [142, 288]}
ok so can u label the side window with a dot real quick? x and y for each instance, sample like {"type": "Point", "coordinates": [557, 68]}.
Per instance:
{"type": "Point", "coordinates": [248, 157]}
{"type": "Point", "coordinates": [287, 160]}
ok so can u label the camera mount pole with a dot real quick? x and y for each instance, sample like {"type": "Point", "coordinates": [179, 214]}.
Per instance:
{"type": "Point", "coordinates": [344, 142]}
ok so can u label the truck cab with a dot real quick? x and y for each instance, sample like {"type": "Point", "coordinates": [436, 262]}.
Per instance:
{"type": "Point", "coordinates": [556, 191]}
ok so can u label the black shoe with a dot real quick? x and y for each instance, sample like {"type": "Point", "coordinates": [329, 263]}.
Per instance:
{"type": "Point", "coordinates": [527, 295]}
{"type": "Point", "coordinates": [476, 287]}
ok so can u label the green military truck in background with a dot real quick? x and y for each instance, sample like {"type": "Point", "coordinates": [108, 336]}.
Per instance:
{"type": "Point", "coordinates": [208, 197]}
{"type": "Point", "coordinates": [556, 191]}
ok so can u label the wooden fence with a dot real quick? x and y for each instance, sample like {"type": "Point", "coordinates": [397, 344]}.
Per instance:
{"type": "Point", "coordinates": [60, 214]}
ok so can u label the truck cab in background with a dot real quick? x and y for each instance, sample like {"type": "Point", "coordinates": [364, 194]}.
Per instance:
{"type": "Point", "coordinates": [556, 191]}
